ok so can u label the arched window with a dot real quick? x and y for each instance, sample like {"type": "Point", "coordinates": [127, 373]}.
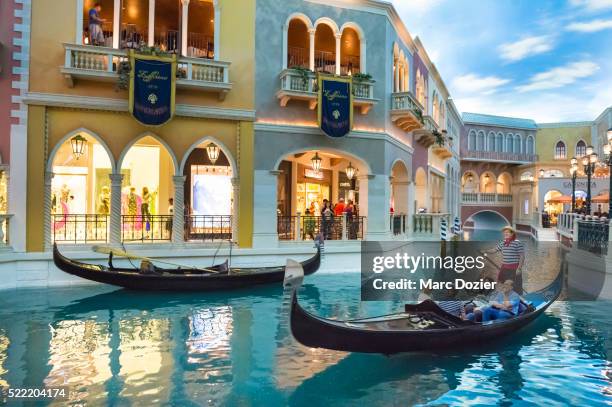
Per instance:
{"type": "Point", "coordinates": [508, 143]}
{"type": "Point", "coordinates": [517, 144]}
{"type": "Point", "coordinates": [526, 176]}
{"type": "Point", "coordinates": [491, 142]}
{"type": "Point", "coordinates": [529, 146]}
{"type": "Point", "coordinates": [434, 109]}
{"type": "Point", "coordinates": [472, 140]}
{"type": "Point", "coordinates": [481, 141]}
{"type": "Point", "coordinates": [499, 144]}
{"type": "Point", "coordinates": [560, 151]}
{"type": "Point", "coordinates": [581, 148]}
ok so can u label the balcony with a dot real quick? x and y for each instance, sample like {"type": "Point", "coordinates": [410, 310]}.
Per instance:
{"type": "Point", "coordinates": [425, 136]}
{"type": "Point", "coordinates": [486, 198]}
{"type": "Point", "coordinates": [85, 62]}
{"type": "Point", "coordinates": [406, 112]}
{"type": "Point", "coordinates": [498, 156]}
{"type": "Point", "coordinates": [445, 149]}
{"type": "Point", "coordinates": [302, 85]}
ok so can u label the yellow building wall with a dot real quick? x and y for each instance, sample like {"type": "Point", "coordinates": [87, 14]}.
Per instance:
{"type": "Point", "coordinates": [54, 23]}
{"type": "Point", "coordinates": [36, 179]}
{"type": "Point", "coordinates": [547, 138]}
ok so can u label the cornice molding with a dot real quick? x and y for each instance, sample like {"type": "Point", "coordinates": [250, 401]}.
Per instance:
{"type": "Point", "coordinates": [121, 105]}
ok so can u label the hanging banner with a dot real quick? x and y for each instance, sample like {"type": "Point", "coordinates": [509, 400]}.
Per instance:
{"type": "Point", "coordinates": [335, 105]}
{"type": "Point", "coordinates": [152, 88]}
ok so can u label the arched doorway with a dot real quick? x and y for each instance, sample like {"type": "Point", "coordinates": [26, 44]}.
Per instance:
{"type": "Point", "coordinates": [306, 181]}
{"type": "Point", "coordinates": [504, 184]}
{"type": "Point", "coordinates": [80, 191]}
{"type": "Point", "coordinates": [469, 183]}
{"type": "Point", "coordinates": [325, 49]}
{"type": "Point", "coordinates": [399, 205]}
{"type": "Point", "coordinates": [420, 187]}
{"type": "Point", "coordinates": [210, 192]}
{"type": "Point", "coordinates": [298, 44]}
{"type": "Point", "coordinates": [147, 192]}
{"type": "Point", "coordinates": [488, 182]}
{"type": "Point", "coordinates": [553, 206]}
{"type": "Point", "coordinates": [350, 52]}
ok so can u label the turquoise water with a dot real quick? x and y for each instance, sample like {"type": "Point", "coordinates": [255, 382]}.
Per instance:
{"type": "Point", "coordinates": [115, 347]}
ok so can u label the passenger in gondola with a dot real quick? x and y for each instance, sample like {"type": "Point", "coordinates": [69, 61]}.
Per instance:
{"type": "Point", "coordinates": [504, 304]}
{"type": "Point", "coordinates": [451, 305]}
{"type": "Point", "coordinates": [513, 258]}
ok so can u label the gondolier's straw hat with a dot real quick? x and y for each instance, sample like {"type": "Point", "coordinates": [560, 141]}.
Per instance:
{"type": "Point", "coordinates": [509, 229]}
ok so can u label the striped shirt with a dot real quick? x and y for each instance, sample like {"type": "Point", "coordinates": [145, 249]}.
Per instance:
{"type": "Point", "coordinates": [512, 253]}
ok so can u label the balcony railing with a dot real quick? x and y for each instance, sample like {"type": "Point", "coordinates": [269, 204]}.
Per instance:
{"type": "Point", "coordinates": [406, 112]}
{"type": "Point", "coordinates": [486, 198]}
{"type": "Point", "coordinates": [498, 156]}
{"type": "Point", "coordinates": [308, 227]}
{"type": "Point", "coordinates": [208, 227]}
{"type": "Point", "coordinates": [428, 224]}
{"type": "Point", "coordinates": [399, 224]}
{"type": "Point", "coordinates": [101, 64]}
{"type": "Point", "coordinates": [302, 85]}
{"type": "Point", "coordinates": [79, 228]}
{"type": "Point", "coordinates": [593, 235]}
{"type": "Point", "coordinates": [146, 228]}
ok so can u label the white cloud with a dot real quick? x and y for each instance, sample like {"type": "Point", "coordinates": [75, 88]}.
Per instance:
{"type": "Point", "coordinates": [590, 26]}
{"type": "Point", "coordinates": [560, 76]}
{"type": "Point", "coordinates": [474, 84]}
{"type": "Point", "coordinates": [593, 5]}
{"type": "Point", "coordinates": [515, 51]}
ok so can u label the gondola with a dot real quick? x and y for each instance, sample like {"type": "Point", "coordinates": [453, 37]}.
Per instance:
{"type": "Point", "coordinates": [179, 279]}
{"type": "Point", "coordinates": [421, 327]}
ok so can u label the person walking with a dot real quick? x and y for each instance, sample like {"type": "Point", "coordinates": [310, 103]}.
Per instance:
{"type": "Point", "coordinates": [513, 258]}
{"type": "Point", "coordinates": [339, 208]}
{"type": "Point", "coordinates": [96, 35]}
{"type": "Point", "coordinates": [327, 217]}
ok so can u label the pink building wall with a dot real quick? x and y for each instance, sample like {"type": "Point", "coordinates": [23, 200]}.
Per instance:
{"type": "Point", "coordinates": [7, 62]}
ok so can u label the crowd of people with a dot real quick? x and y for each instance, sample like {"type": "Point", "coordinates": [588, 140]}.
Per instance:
{"type": "Point", "coordinates": [329, 214]}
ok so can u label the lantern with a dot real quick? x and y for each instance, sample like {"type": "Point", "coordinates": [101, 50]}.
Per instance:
{"type": "Point", "coordinates": [213, 153]}
{"type": "Point", "coordinates": [350, 171]}
{"type": "Point", "coordinates": [316, 162]}
{"type": "Point", "coordinates": [541, 172]}
{"type": "Point", "coordinates": [78, 144]}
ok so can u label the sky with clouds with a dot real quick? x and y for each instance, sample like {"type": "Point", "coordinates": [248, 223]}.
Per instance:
{"type": "Point", "coordinates": [548, 60]}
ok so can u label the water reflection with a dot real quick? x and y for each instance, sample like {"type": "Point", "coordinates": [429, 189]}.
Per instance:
{"type": "Point", "coordinates": [235, 348]}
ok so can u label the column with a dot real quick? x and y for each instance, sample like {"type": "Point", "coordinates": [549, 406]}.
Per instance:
{"type": "Point", "coordinates": [375, 205]}
{"type": "Point", "coordinates": [184, 26]}
{"type": "Point", "coordinates": [116, 23]}
{"type": "Point", "coordinates": [338, 47]}
{"type": "Point", "coordinates": [396, 75]}
{"type": "Point", "coordinates": [311, 63]}
{"type": "Point", "coordinates": [411, 207]}
{"type": "Point", "coordinates": [47, 209]}
{"type": "Point", "coordinates": [217, 34]}
{"type": "Point", "coordinates": [285, 45]}
{"type": "Point", "coordinates": [178, 218]}
{"type": "Point", "coordinates": [115, 209]}
{"type": "Point", "coordinates": [151, 34]}
{"type": "Point", "coordinates": [294, 193]}
{"type": "Point", "coordinates": [335, 186]}
{"type": "Point", "coordinates": [264, 208]}
{"type": "Point", "coordinates": [235, 207]}
{"type": "Point", "coordinates": [362, 56]}
{"type": "Point", "coordinates": [79, 23]}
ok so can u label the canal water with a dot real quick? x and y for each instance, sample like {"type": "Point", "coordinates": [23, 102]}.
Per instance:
{"type": "Point", "coordinates": [116, 347]}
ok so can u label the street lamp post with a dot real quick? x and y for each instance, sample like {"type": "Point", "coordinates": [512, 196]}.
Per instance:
{"type": "Point", "coordinates": [589, 162]}
{"type": "Point", "coordinates": [574, 172]}
{"type": "Point", "coordinates": [608, 160]}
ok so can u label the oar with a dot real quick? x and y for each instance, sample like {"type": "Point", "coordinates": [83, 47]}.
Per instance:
{"type": "Point", "coordinates": [123, 253]}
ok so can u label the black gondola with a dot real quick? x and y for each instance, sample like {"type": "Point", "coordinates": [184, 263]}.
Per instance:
{"type": "Point", "coordinates": [420, 327]}
{"type": "Point", "coordinates": [180, 279]}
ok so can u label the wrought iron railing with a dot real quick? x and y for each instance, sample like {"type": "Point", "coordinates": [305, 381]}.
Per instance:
{"type": "Point", "coordinates": [593, 236]}
{"type": "Point", "coordinates": [79, 228]}
{"type": "Point", "coordinates": [208, 227]}
{"type": "Point", "coordinates": [146, 228]}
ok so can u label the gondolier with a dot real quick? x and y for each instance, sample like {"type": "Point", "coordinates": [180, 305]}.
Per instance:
{"type": "Point", "coordinates": [513, 257]}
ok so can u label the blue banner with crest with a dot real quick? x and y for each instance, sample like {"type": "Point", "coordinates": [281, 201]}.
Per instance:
{"type": "Point", "coordinates": [152, 88]}
{"type": "Point", "coordinates": [335, 106]}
